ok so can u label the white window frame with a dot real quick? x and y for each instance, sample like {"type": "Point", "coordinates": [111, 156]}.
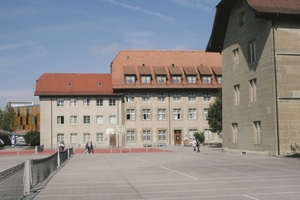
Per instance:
{"type": "Point", "coordinates": [207, 96]}
{"type": "Point", "coordinates": [192, 113]}
{"type": "Point", "coordinates": [176, 97]}
{"type": "Point", "coordinates": [161, 114]}
{"type": "Point", "coordinates": [73, 138]}
{"type": "Point", "coordinates": [60, 120]}
{"type": "Point", "coordinates": [208, 135]}
{"type": "Point", "coordinates": [112, 119]}
{"type": "Point", "coordinates": [60, 102]}
{"type": "Point", "coordinates": [130, 136]}
{"type": "Point", "coordinates": [146, 135]}
{"type": "Point", "coordinates": [86, 102]}
{"type": "Point", "coordinates": [236, 58]}
{"type": "Point", "coordinates": [257, 132]}
{"type": "Point", "coordinates": [192, 96]}
{"type": "Point", "coordinates": [99, 137]}
{"type": "Point", "coordinates": [99, 102]}
{"type": "Point", "coordinates": [191, 133]}
{"type": "Point", "coordinates": [99, 119]}
{"type": "Point", "coordinates": [234, 134]}
{"type": "Point", "coordinates": [219, 79]}
{"type": "Point", "coordinates": [73, 119]}
{"type": "Point", "coordinates": [205, 113]}
{"type": "Point", "coordinates": [129, 97]}
{"type": "Point", "coordinates": [177, 114]}
{"type": "Point", "coordinates": [73, 102]}
{"type": "Point", "coordinates": [252, 84]}
{"type": "Point", "coordinates": [237, 94]}
{"type": "Point", "coordinates": [130, 114]}
{"type": "Point", "coordinates": [145, 97]}
{"type": "Point", "coordinates": [130, 79]}
{"type": "Point", "coordinates": [146, 114]}
{"type": "Point", "coordinates": [112, 102]}
{"type": "Point", "coordinates": [206, 79]}
{"type": "Point", "coordinates": [162, 135]}
{"type": "Point", "coordinates": [161, 79]}
{"type": "Point", "coordinates": [161, 97]}
{"type": "Point", "coordinates": [60, 137]}
{"type": "Point", "coordinates": [86, 137]}
{"type": "Point", "coordinates": [192, 79]}
{"type": "Point", "coordinates": [146, 79]}
{"type": "Point", "coordinates": [176, 79]}
{"type": "Point", "coordinates": [86, 119]}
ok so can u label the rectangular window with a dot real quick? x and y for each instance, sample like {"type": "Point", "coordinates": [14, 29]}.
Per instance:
{"type": "Point", "coordinates": [252, 51]}
{"type": "Point", "coordinates": [234, 133]}
{"type": "Point", "coordinates": [73, 138]}
{"type": "Point", "coordinates": [99, 137]}
{"type": "Point", "coordinates": [176, 97]}
{"type": "Point", "coordinates": [129, 97]}
{"type": "Point", "coordinates": [86, 137]}
{"type": "Point", "coordinates": [73, 119]}
{"type": "Point", "coordinates": [236, 94]}
{"type": "Point", "coordinates": [161, 97]}
{"type": "Point", "coordinates": [112, 119]}
{"type": "Point", "coordinates": [161, 79]}
{"type": "Point", "coordinates": [242, 19]}
{"type": "Point", "coordinates": [112, 102]}
{"type": "Point", "coordinates": [60, 120]}
{"type": "Point", "coordinates": [145, 97]}
{"type": "Point", "coordinates": [206, 79]}
{"type": "Point", "coordinates": [162, 135]}
{"type": "Point", "coordinates": [146, 114]}
{"type": "Point", "coordinates": [146, 79]}
{"type": "Point", "coordinates": [130, 114]}
{"type": "Point", "coordinates": [206, 96]}
{"type": "Point", "coordinates": [236, 58]}
{"type": "Point", "coordinates": [177, 114]}
{"type": "Point", "coordinates": [130, 79]}
{"type": "Point", "coordinates": [60, 102]}
{"type": "Point", "coordinates": [73, 102]}
{"type": "Point", "coordinates": [252, 84]}
{"type": "Point", "coordinates": [27, 113]}
{"type": "Point", "coordinates": [176, 79]}
{"type": "Point", "coordinates": [257, 132]}
{"type": "Point", "coordinates": [99, 119]}
{"type": "Point", "coordinates": [208, 134]}
{"type": "Point", "coordinates": [205, 113]}
{"type": "Point", "coordinates": [161, 114]}
{"type": "Point", "coordinates": [191, 79]}
{"type": "Point", "coordinates": [192, 133]}
{"type": "Point", "coordinates": [191, 96]}
{"type": "Point", "coordinates": [99, 102]}
{"type": "Point", "coordinates": [86, 119]}
{"type": "Point", "coordinates": [86, 102]}
{"type": "Point", "coordinates": [130, 136]}
{"type": "Point", "coordinates": [192, 113]}
{"type": "Point", "coordinates": [219, 79]}
{"type": "Point", "coordinates": [60, 137]}
{"type": "Point", "coordinates": [146, 135]}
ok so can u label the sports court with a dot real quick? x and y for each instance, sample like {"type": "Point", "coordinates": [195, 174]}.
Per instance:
{"type": "Point", "coordinates": [181, 174]}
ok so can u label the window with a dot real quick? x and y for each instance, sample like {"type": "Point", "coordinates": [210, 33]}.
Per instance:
{"type": "Point", "coordinates": [146, 79]}
{"type": "Point", "coordinates": [192, 133]}
{"type": "Point", "coordinates": [73, 138]}
{"type": "Point", "coordinates": [177, 114]}
{"type": "Point", "coordinates": [206, 79]}
{"type": "Point", "coordinates": [236, 94]}
{"type": "Point", "coordinates": [162, 135]}
{"type": "Point", "coordinates": [206, 96]}
{"type": "Point", "coordinates": [112, 119]}
{"type": "Point", "coordinates": [99, 119]}
{"type": "Point", "coordinates": [191, 96]}
{"type": "Point", "coordinates": [219, 79]}
{"type": "Point", "coordinates": [145, 97]}
{"type": "Point", "coordinates": [99, 102]}
{"type": "Point", "coordinates": [146, 135]}
{"type": "Point", "coordinates": [130, 79]}
{"type": "Point", "coordinates": [176, 97]}
{"type": "Point", "coordinates": [205, 113]}
{"type": "Point", "coordinates": [242, 19]}
{"type": "Point", "coordinates": [161, 79]}
{"type": "Point", "coordinates": [146, 114]}
{"type": "Point", "coordinates": [130, 114]}
{"type": "Point", "coordinates": [99, 137]}
{"type": "Point", "coordinates": [27, 112]}
{"type": "Point", "coordinates": [86, 137]}
{"type": "Point", "coordinates": [176, 79]}
{"type": "Point", "coordinates": [207, 134]}
{"type": "Point", "coordinates": [60, 102]}
{"type": "Point", "coordinates": [192, 113]}
{"type": "Point", "coordinates": [252, 84]}
{"type": "Point", "coordinates": [257, 132]}
{"type": "Point", "coordinates": [112, 102]}
{"type": "Point", "coordinates": [129, 97]}
{"type": "Point", "coordinates": [60, 137]}
{"type": "Point", "coordinates": [161, 97]}
{"type": "Point", "coordinates": [252, 51]}
{"type": "Point", "coordinates": [236, 58]}
{"type": "Point", "coordinates": [86, 119]}
{"type": "Point", "coordinates": [73, 102]}
{"type": "Point", "coordinates": [161, 114]}
{"type": "Point", "coordinates": [60, 120]}
{"type": "Point", "coordinates": [234, 133]}
{"type": "Point", "coordinates": [86, 102]}
{"type": "Point", "coordinates": [73, 119]}
{"type": "Point", "coordinates": [130, 136]}
{"type": "Point", "coordinates": [191, 79]}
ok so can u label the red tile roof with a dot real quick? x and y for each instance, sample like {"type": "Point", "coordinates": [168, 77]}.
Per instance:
{"type": "Point", "coordinates": [275, 6]}
{"type": "Point", "coordinates": [162, 62]}
{"type": "Point", "coordinates": [73, 84]}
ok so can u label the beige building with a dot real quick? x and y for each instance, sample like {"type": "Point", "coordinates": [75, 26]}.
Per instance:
{"type": "Point", "coordinates": [150, 97]}
{"type": "Point", "coordinates": [260, 46]}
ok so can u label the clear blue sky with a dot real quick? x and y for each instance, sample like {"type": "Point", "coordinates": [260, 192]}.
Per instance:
{"type": "Point", "coordinates": [84, 36]}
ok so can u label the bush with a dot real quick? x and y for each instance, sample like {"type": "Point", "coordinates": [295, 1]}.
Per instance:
{"type": "Point", "coordinates": [200, 137]}
{"type": "Point", "coordinates": [296, 148]}
{"type": "Point", "coordinates": [33, 138]}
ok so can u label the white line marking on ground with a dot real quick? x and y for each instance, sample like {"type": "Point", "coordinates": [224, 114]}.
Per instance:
{"type": "Point", "coordinates": [269, 167]}
{"type": "Point", "coordinates": [250, 197]}
{"type": "Point", "coordinates": [142, 160]}
{"type": "Point", "coordinates": [178, 172]}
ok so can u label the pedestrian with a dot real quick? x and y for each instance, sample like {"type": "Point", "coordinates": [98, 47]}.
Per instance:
{"type": "Point", "coordinates": [87, 148]}
{"type": "Point", "coordinates": [198, 146]}
{"type": "Point", "coordinates": [194, 145]}
{"type": "Point", "coordinates": [91, 147]}
{"type": "Point", "coordinates": [62, 145]}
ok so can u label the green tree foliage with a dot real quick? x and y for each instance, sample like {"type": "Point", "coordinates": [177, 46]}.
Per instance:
{"type": "Point", "coordinates": [7, 119]}
{"type": "Point", "coordinates": [200, 137]}
{"type": "Point", "coordinates": [32, 138]}
{"type": "Point", "coordinates": [215, 114]}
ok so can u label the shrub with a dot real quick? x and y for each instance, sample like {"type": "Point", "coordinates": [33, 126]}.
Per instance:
{"type": "Point", "coordinates": [199, 136]}
{"type": "Point", "coordinates": [33, 138]}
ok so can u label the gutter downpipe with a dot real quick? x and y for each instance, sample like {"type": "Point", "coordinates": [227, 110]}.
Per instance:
{"type": "Point", "coordinates": [51, 128]}
{"type": "Point", "coordinates": [276, 88]}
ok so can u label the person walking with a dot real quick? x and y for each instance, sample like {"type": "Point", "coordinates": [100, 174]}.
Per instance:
{"type": "Point", "coordinates": [198, 146]}
{"type": "Point", "coordinates": [194, 145]}
{"type": "Point", "coordinates": [87, 148]}
{"type": "Point", "coordinates": [91, 147]}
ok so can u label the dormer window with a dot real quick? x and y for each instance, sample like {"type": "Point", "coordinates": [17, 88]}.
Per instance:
{"type": "Point", "coordinates": [161, 79]}
{"type": "Point", "coordinates": [146, 79]}
{"type": "Point", "coordinates": [242, 19]}
{"type": "Point", "coordinates": [219, 79]}
{"type": "Point", "coordinates": [176, 79]}
{"type": "Point", "coordinates": [191, 79]}
{"type": "Point", "coordinates": [130, 79]}
{"type": "Point", "coordinates": [206, 79]}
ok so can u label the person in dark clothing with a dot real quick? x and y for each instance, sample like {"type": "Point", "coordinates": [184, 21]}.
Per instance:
{"type": "Point", "coordinates": [198, 146]}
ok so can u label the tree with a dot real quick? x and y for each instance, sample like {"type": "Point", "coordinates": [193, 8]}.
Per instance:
{"type": "Point", "coordinates": [32, 138]}
{"type": "Point", "coordinates": [7, 119]}
{"type": "Point", "coordinates": [215, 114]}
{"type": "Point", "coordinates": [199, 136]}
